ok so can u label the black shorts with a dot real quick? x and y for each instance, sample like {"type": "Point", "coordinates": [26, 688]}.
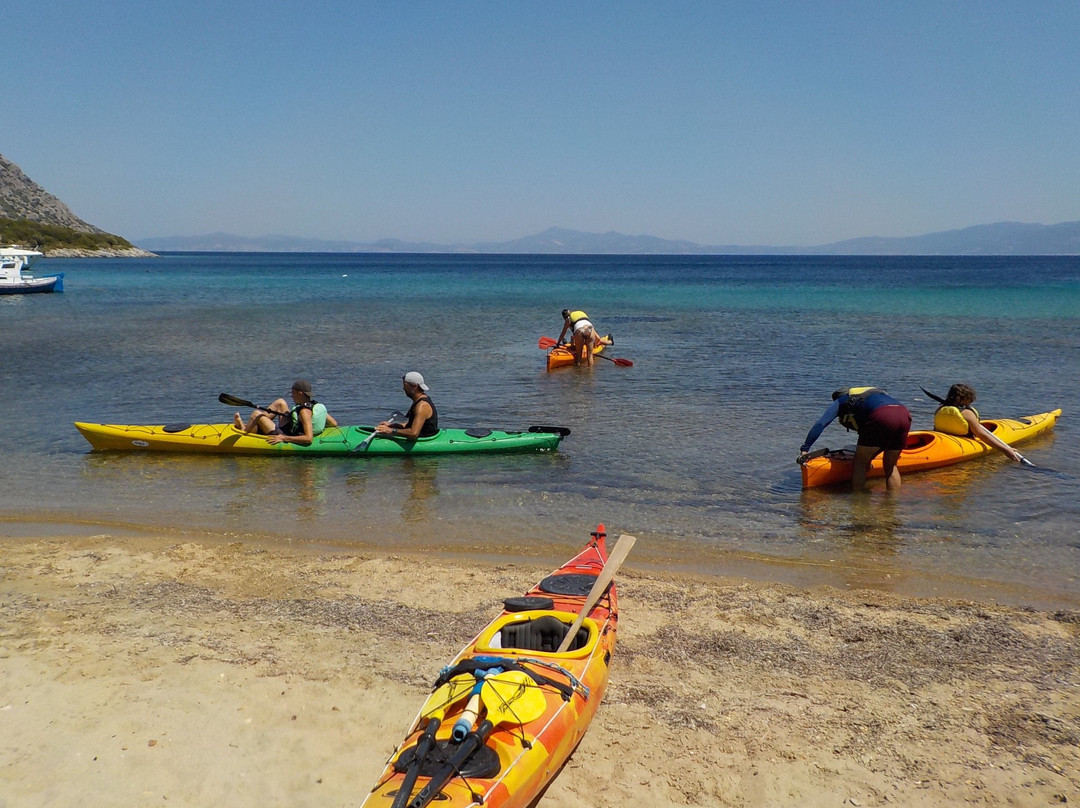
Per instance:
{"type": "Point", "coordinates": [887, 428]}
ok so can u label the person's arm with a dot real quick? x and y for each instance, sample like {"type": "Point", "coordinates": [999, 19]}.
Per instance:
{"type": "Point", "coordinates": [822, 422]}
{"type": "Point", "coordinates": [986, 436]}
{"type": "Point", "coordinates": [565, 328]}
{"type": "Point", "coordinates": [420, 416]}
{"type": "Point", "coordinates": [331, 420]}
{"type": "Point", "coordinates": [306, 436]}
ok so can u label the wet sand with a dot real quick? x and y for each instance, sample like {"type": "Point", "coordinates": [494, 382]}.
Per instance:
{"type": "Point", "coordinates": [139, 670]}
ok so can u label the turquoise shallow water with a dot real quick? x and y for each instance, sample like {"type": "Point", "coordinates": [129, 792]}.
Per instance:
{"type": "Point", "coordinates": [691, 449]}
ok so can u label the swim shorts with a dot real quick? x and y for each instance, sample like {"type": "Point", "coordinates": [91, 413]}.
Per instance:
{"type": "Point", "coordinates": [887, 428]}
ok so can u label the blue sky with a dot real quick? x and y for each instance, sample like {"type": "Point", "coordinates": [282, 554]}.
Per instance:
{"type": "Point", "coordinates": [759, 122]}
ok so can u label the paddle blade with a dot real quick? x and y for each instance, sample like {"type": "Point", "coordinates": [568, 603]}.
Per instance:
{"type": "Point", "coordinates": [233, 401]}
{"type": "Point", "coordinates": [512, 696]}
{"type": "Point", "coordinates": [626, 363]}
{"type": "Point", "coordinates": [603, 580]}
{"type": "Point", "coordinates": [454, 690]}
{"type": "Point", "coordinates": [544, 343]}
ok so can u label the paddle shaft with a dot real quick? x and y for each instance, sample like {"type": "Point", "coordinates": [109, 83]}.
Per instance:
{"type": "Point", "coordinates": [473, 741]}
{"type": "Point", "coordinates": [423, 746]}
{"type": "Point", "coordinates": [603, 580]}
{"type": "Point", "coordinates": [394, 416]}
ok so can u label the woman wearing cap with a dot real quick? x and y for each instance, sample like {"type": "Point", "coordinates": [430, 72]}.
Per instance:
{"type": "Point", "coordinates": [284, 424]}
{"type": "Point", "coordinates": [584, 336]}
{"type": "Point", "coordinates": [422, 420]}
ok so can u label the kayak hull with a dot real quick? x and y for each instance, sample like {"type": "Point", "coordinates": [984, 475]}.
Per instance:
{"type": "Point", "coordinates": [529, 753]}
{"type": "Point", "coordinates": [334, 441]}
{"type": "Point", "coordinates": [927, 450]}
{"type": "Point", "coordinates": [562, 356]}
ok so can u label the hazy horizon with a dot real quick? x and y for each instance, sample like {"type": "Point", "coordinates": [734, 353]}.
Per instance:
{"type": "Point", "coordinates": [771, 123]}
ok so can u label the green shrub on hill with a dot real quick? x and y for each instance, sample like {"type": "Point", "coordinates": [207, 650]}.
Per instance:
{"type": "Point", "coordinates": [45, 237]}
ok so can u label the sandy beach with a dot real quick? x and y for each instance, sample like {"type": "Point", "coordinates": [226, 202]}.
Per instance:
{"type": "Point", "coordinates": [145, 671]}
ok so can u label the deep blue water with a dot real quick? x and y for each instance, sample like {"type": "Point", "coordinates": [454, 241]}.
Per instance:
{"type": "Point", "coordinates": [691, 449]}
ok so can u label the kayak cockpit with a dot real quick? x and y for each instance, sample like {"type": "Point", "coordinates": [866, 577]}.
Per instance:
{"type": "Point", "coordinates": [538, 632]}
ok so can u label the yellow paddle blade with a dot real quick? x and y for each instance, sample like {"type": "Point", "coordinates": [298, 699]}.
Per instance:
{"type": "Point", "coordinates": [447, 694]}
{"type": "Point", "coordinates": [512, 696]}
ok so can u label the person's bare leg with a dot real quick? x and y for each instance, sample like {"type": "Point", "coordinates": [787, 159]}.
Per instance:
{"type": "Point", "coordinates": [892, 470]}
{"type": "Point", "coordinates": [863, 457]}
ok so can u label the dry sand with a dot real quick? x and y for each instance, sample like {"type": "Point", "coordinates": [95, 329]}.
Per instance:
{"type": "Point", "coordinates": [149, 673]}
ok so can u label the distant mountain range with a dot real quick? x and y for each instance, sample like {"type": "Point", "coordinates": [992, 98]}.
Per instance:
{"type": "Point", "coordinates": [1003, 238]}
{"type": "Point", "coordinates": [23, 200]}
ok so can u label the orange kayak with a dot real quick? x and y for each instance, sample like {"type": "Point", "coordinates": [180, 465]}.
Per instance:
{"type": "Point", "coordinates": [562, 356]}
{"type": "Point", "coordinates": [927, 450]}
{"type": "Point", "coordinates": [506, 714]}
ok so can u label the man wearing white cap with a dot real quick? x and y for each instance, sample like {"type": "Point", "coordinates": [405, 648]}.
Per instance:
{"type": "Point", "coordinates": [422, 420]}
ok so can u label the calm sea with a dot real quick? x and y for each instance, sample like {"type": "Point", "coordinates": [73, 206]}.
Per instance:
{"type": "Point", "coordinates": [692, 449]}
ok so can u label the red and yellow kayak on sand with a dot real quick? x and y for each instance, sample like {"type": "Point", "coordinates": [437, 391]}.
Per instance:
{"type": "Point", "coordinates": [562, 356]}
{"type": "Point", "coordinates": [928, 450]}
{"type": "Point", "coordinates": [506, 714]}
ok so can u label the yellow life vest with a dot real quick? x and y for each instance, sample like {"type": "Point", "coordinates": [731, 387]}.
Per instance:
{"type": "Point", "coordinates": [846, 416]}
{"type": "Point", "coordinates": [575, 316]}
{"type": "Point", "coordinates": [950, 420]}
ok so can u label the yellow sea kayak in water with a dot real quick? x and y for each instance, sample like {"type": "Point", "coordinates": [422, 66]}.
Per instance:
{"type": "Point", "coordinates": [340, 441]}
{"type": "Point", "coordinates": [927, 450]}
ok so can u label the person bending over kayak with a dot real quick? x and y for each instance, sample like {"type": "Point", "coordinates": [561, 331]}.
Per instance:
{"type": "Point", "coordinates": [284, 424]}
{"type": "Point", "coordinates": [585, 338]}
{"type": "Point", "coordinates": [882, 422]}
{"type": "Point", "coordinates": [956, 416]}
{"type": "Point", "coordinates": [422, 420]}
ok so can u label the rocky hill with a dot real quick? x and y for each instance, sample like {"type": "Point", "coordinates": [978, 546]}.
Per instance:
{"type": "Point", "coordinates": [32, 217]}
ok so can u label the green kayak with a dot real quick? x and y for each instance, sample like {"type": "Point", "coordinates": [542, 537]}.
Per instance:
{"type": "Point", "coordinates": [343, 441]}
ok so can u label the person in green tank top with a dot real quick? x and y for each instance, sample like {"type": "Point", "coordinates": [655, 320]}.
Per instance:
{"type": "Point", "coordinates": [284, 424]}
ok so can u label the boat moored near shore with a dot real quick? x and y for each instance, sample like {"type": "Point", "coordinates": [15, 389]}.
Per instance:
{"type": "Point", "coordinates": [16, 277]}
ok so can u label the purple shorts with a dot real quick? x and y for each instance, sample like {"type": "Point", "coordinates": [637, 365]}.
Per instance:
{"type": "Point", "coordinates": [887, 428]}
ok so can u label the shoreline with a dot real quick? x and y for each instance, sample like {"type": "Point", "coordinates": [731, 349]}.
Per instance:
{"type": "Point", "coordinates": [723, 564]}
{"type": "Point", "coordinates": [150, 667]}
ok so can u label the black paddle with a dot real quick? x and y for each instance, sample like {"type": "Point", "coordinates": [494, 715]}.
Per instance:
{"type": "Point", "coordinates": [423, 747]}
{"type": "Point", "coordinates": [233, 401]}
{"type": "Point", "coordinates": [473, 741]}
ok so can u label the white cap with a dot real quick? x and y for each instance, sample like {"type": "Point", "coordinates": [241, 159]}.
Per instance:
{"type": "Point", "coordinates": [412, 377]}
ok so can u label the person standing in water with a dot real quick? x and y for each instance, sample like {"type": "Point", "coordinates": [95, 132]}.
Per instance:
{"type": "Point", "coordinates": [883, 424]}
{"type": "Point", "coordinates": [584, 336]}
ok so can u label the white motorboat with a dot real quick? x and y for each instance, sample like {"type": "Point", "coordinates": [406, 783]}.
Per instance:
{"type": "Point", "coordinates": [16, 277]}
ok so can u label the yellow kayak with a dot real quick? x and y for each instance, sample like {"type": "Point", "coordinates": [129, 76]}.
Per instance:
{"type": "Point", "coordinates": [342, 441]}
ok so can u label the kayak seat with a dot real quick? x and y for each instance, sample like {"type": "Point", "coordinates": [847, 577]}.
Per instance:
{"type": "Point", "coordinates": [542, 634]}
